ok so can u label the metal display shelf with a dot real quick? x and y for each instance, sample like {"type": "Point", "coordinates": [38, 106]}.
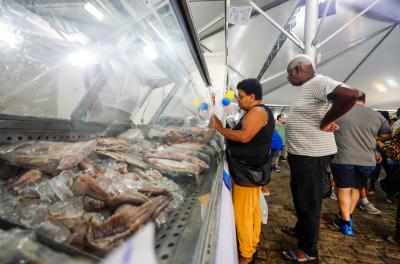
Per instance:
{"type": "Point", "coordinates": [17, 128]}
{"type": "Point", "coordinates": [189, 236]}
{"type": "Point", "coordinates": [190, 232]}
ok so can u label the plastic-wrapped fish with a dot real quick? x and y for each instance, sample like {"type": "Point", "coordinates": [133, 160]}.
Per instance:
{"type": "Point", "coordinates": [127, 197]}
{"type": "Point", "coordinates": [50, 157]}
{"type": "Point", "coordinates": [112, 144]}
{"type": "Point", "coordinates": [156, 179]}
{"type": "Point", "coordinates": [56, 188]}
{"type": "Point", "coordinates": [71, 208]}
{"type": "Point", "coordinates": [29, 177]}
{"type": "Point", "coordinates": [21, 246]}
{"type": "Point", "coordinates": [125, 221]}
{"type": "Point", "coordinates": [86, 185]}
{"type": "Point", "coordinates": [175, 155]}
{"type": "Point", "coordinates": [128, 158]}
{"type": "Point", "coordinates": [174, 167]}
{"type": "Point", "coordinates": [133, 134]}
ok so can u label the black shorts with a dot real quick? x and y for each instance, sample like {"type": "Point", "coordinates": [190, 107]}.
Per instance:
{"type": "Point", "coordinates": [351, 176]}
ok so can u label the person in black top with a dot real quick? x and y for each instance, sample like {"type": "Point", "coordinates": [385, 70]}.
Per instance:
{"type": "Point", "coordinates": [250, 141]}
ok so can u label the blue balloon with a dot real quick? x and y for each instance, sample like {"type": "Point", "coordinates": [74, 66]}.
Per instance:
{"type": "Point", "coordinates": [225, 101]}
{"type": "Point", "coordinates": [203, 106]}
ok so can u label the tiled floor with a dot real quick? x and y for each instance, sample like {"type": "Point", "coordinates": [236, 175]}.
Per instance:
{"type": "Point", "coordinates": [368, 245]}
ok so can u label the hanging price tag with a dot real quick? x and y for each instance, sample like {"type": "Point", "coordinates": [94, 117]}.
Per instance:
{"type": "Point", "coordinates": [239, 15]}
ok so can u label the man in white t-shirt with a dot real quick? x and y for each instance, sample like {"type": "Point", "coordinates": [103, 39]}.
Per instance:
{"type": "Point", "coordinates": [310, 143]}
{"type": "Point", "coordinates": [396, 124]}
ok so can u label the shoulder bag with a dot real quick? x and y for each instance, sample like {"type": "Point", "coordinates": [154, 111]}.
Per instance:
{"type": "Point", "coordinates": [246, 174]}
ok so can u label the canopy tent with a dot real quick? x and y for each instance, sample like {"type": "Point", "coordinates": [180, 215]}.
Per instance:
{"type": "Point", "coordinates": [364, 55]}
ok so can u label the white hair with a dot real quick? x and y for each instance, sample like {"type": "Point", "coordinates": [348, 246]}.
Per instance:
{"type": "Point", "coordinates": [301, 60]}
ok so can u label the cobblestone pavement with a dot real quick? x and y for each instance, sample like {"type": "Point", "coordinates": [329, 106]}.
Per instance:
{"type": "Point", "coordinates": [368, 245]}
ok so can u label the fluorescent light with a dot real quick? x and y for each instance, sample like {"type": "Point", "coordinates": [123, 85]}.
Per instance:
{"type": "Point", "coordinates": [381, 88]}
{"type": "Point", "coordinates": [94, 11]}
{"type": "Point", "coordinates": [150, 52]}
{"type": "Point", "coordinates": [392, 83]}
{"type": "Point", "coordinates": [81, 58]}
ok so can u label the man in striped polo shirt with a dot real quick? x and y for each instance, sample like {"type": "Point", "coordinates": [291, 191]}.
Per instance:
{"type": "Point", "coordinates": [310, 143]}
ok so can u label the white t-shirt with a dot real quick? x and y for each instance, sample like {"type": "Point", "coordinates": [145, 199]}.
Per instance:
{"type": "Point", "coordinates": [395, 126]}
{"type": "Point", "coordinates": [303, 133]}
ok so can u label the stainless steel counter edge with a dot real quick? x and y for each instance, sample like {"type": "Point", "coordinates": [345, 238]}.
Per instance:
{"type": "Point", "coordinates": [206, 245]}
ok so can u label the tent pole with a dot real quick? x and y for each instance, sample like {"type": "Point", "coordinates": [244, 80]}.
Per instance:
{"type": "Point", "coordinates": [321, 22]}
{"type": "Point", "coordinates": [310, 28]}
{"type": "Point", "coordinates": [227, 5]}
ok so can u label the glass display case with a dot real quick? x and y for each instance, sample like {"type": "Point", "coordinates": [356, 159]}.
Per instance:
{"type": "Point", "coordinates": [98, 127]}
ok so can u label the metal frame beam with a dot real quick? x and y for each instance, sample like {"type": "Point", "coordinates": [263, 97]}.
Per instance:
{"type": "Point", "coordinates": [290, 23]}
{"type": "Point", "coordinates": [93, 87]}
{"type": "Point", "coordinates": [353, 45]}
{"type": "Point", "coordinates": [289, 35]}
{"type": "Point", "coordinates": [166, 102]}
{"type": "Point", "coordinates": [347, 24]}
{"type": "Point", "coordinates": [321, 22]}
{"type": "Point", "coordinates": [211, 23]}
{"type": "Point", "coordinates": [273, 77]}
{"type": "Point", "coordinates": [205, 48]}
{"type": "Point", "coordinates": [370, 52]}
{"type": "Point", "coordinates": [236, 71]}
{"type": "Point", "coordinates": [253, 15]}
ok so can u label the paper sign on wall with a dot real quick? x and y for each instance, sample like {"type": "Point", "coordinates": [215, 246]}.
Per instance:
{"type": "Point", "coordinates": [239, 15]}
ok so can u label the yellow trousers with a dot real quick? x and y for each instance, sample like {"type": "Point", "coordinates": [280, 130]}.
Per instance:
{"type": "Point", "coordinates": [246, 205]}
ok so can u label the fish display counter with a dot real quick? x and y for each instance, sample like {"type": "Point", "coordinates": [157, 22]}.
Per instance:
{"type": "Point", "coordinates": [94, 194]}
{"type": "Point", "coordinates": [99, 135]}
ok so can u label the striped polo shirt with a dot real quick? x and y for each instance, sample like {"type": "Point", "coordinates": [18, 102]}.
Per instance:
{"type": "Point", "coordinates": [303, 135]}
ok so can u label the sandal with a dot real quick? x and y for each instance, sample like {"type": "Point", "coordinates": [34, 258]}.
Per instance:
{"type": "Point", "coordinates": [290, 255]}
{"type": "Point", "coordinates": [289, 231]}
{"type": "Point", "coordinates": [246, 260]}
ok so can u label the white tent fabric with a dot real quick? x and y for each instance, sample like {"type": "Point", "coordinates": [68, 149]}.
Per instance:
{"type": "Point", "coordinates": [373, 39]}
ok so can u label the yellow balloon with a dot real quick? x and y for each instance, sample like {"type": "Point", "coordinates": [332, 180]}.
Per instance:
{"type": "Point", "coordinates": [230, 94]}
{"type": "Point", "coordinates": [197, 102]}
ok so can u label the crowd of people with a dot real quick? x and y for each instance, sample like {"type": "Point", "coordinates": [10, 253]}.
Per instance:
{"type": "Point", "coordinates": [328, 130]}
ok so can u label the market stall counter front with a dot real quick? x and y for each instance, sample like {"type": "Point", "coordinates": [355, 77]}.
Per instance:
{"type": "Point", "coordinates": [99, 133]}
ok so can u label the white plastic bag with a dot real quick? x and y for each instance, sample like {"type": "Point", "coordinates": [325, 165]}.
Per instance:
{"type": "Point", "coordinates": [264, 209]}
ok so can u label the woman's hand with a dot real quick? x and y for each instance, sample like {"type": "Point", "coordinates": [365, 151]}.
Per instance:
{"type": "Point", "coordinates": [380, 143]}
{"type": "Point", "coordinates": [378, 157]}
{"type": "Point", "coordinates": [217, 123]}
